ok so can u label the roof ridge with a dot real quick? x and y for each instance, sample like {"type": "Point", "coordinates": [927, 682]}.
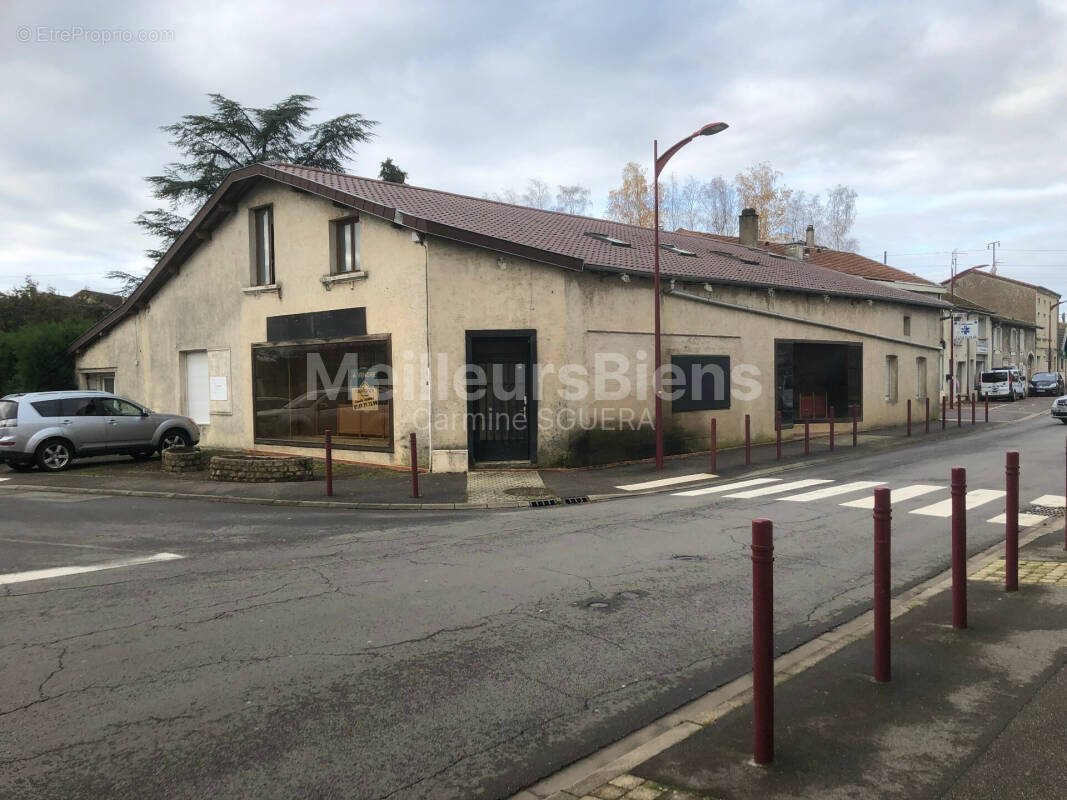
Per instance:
{"type": "Point", "coordinates": [276, 164]}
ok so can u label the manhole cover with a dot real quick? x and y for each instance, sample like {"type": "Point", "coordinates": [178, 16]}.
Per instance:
{"type": "Point", "coordinates": [529, 492]}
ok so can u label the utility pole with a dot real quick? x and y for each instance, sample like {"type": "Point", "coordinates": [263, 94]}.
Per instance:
{"type": "Point", "coordinates": [993, 246]}
{"type": "Point", "coordinates": [952, 338]}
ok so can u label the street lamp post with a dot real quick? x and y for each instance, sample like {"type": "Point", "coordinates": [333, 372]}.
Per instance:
{"type": "Point", "coordinates": [659, 162]}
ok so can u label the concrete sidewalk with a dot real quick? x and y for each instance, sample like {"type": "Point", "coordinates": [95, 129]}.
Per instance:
{"type": "Point", "coordinates": [971, 713]}
{"type": "Point", "coordinates": [376, 488]}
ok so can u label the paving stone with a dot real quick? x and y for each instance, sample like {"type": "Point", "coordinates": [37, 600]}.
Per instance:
{"type": "Point", "coordinates": [627, 781]}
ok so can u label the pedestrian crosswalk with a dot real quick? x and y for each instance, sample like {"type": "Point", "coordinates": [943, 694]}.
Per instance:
{"type": "Point", "coordinates": [975, 498]}
{"type": "Point", "coordinates": [898, 495]}
{"type": "Point", "coordinates": [816, 490]}
{"type": "Point", "coordinates": [672, 481]}
{"type": "Point", "coordinates": [832, 491]}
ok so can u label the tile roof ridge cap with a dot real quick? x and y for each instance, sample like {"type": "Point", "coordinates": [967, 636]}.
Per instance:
{"type": "Point", "coordinates": [451, 194]}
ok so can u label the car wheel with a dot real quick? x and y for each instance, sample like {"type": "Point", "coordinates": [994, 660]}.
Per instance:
{"type": "Point", "coordinates": [174, 438]}
{"type": "Point", "coordinates": [54, 455]}
{"type": "Point", "coordinates": [20, 466]}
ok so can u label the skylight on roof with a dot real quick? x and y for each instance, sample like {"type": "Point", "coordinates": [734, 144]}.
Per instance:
{"type": "Point", "coordinates": [677, 250]}
{"type": "Point", "coordinates": [603, 237]}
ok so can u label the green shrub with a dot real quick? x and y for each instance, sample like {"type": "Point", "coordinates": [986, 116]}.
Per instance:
{"type": "Point", "coordinates": [34, 358]}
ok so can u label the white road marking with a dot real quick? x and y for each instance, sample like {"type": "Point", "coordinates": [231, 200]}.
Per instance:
{"type": "Point", "coordinates": [1050, 500]}
{"type": "Point", "coordinates": [897, 495]}
{"type": "Point", "coordinates": [782, 487]}
{"type": "Point", "coordinates": [1025, 520]}
{"type": "Point", "coordinates": [726, 487]}
{"type": "Point", "coordinates": [699, 476]}
{"type": "Point", "coordinates": [59, 572]}
{"type": "Point", "coordinates": [4, 479]}
{"type": "Point", "coordinates": [832, 491]}
{"type": "Point", "coordinates": [975, 498]}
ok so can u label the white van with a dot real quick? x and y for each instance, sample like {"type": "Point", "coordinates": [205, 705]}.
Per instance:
{"type": "Point", "coordinates": [1006, 382]}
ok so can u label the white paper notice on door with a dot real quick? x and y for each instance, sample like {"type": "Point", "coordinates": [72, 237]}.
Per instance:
{"type": "Point", "coordinates": [217, 389]}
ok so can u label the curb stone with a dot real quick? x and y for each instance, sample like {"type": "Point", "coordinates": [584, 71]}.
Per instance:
{"type": "Point", "coordinates": [359, 505]}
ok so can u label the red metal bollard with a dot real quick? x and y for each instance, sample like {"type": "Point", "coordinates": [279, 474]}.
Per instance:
{"type": "Point", "coordinates": [959, 547]}
{"type": "Point", "coordinates": [972, 408]}
{"type": "Point", "coordinates": [778, 433]}
{"type": "Point", "coordinates": [909, 416]}
{"type": "Point", "coordinates": [882, 515]}
{"type": "Point", "coordinates": [1011, 527]}
{"type": "Point", "coordinates": [329, 462]}
{"type": "Point", "coordinates": [987, 408]}
{"type": "Point", "coordinates": [855, 426]}
{"type": "Point", "coordinates": [807, 436]}
{"type": "Point", "coordinates": [714, 447]}
{"type": "Point", "coordinates": [763, 640]}
{"type": "Point", "coordinates": [414, 468]}
{"type": "Point", "coordinates": [959, 413]}
{"type": "Point", "coordinates": [831, 428]}
{"type": "Point", "coordinates": [942, 413]}
{"type": "Point", "coordinates": [927, 415]}
{"type": "Point", "coordinates": [748, 440]}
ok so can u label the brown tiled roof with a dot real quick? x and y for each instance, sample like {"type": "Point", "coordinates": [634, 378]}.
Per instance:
{"type": "Point", "coordinates": [839, 260]}
{"type": "Point", "coordinates": [981, 271]}
{"type": "Point", "coordinates": [546, 236]}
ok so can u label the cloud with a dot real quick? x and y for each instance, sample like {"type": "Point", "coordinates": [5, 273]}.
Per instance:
{"type": "Point", "coordinates": [942, 116]}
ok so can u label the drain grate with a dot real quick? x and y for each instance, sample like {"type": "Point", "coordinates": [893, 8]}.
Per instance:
{"type": "Point", "coordinates": [1047, 511]}
{"type": "Point", "coordinates": [552, 501]}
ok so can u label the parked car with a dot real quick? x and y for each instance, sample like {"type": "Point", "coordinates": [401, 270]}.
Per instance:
{"type": "Point", "coordinates": [1047, 383]}
{"type": "Point", "coordinates": [51, 429]}
{"type": "Point", "coordinates": [1059, 409]}
{"type": "Point", "coordinates": [1006, 382]}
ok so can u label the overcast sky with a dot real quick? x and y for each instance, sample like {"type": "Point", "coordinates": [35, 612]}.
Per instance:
{"type": "Point", "coordinates": [948, 119]}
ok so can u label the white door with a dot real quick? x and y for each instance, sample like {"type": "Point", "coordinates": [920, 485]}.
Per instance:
{"type": "Point", "coordinates": [197, 406]}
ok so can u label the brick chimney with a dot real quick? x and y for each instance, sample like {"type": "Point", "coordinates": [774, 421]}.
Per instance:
{"type": "Point", "coordinates": [748, 227]}
{"type": "Point", "coordinates": [809, 236]}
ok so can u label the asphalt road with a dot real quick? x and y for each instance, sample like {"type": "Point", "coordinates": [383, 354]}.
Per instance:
{"type": "Point", "coordinates": [297, 652]}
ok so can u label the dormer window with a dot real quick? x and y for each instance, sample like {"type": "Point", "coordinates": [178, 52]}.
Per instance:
{"type": "Point", "coordinates": [346, 246]}
{"type": "Point", "coordinates": [603, 237]}
{"type": "Point", "coordinates": [673, 248]}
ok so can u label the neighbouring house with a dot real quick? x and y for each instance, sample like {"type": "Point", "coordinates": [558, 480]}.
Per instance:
{"type": "Point", "coordinates": [1014, 300]}
{"type": "Point", "coordinates": [981, 339]}
{"type": "Point", "coordinates": [299, 300]}
{"type": "Point", "coordinates": [99, 299]}
{"type": "Point", "coordinates": [839, 260]}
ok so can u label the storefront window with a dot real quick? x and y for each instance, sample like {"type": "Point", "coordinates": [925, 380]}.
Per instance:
{"type": "Point", "coordinates": [301, 390]}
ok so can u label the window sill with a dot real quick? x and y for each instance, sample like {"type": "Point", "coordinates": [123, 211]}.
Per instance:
{"type": "Point", "coordinates": [275, 288]}
{"type": "Point", "coordinates": [328, 281]}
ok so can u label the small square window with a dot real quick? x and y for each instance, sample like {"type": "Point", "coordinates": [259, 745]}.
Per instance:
{"type": "Point", "coordinates": [263, 247]}
{"type": "Point", "coordinates": [346, 246]}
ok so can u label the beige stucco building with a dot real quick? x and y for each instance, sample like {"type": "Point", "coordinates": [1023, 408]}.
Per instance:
{"type": "Point", "coordinates": [299, 300]}
{"type": "Point", "coordinates": [1015, 300]}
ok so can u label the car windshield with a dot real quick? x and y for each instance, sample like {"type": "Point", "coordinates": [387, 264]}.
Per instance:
{"type": "Point", "coordinates": [1044, 376]}
{"type": "Point", "coordinates": [9, 409]}
{"type": "Point", "coordinates": [994, 377]}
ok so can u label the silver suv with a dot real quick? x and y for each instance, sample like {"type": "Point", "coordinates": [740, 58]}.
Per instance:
{"type": "Point", "coordinates": [51, 429]}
